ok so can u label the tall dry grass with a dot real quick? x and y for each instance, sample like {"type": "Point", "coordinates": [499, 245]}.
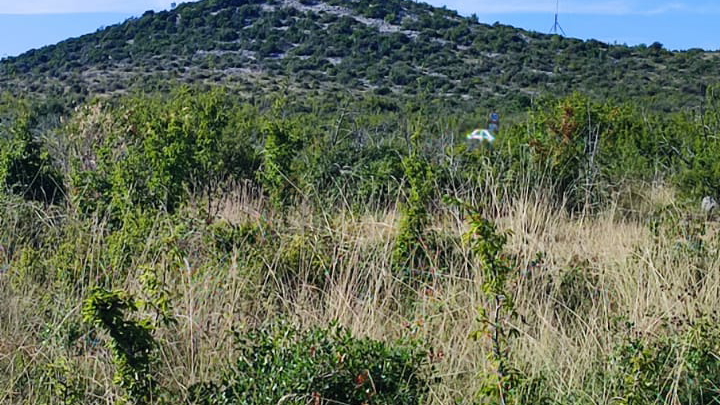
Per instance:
{"type": "Point", "coordinates": [595, 270]}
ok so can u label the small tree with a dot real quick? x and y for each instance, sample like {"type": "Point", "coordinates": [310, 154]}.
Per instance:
{"type": "Point", "coordinates": [415, 217]}
{"type": "Point", "coordinates": [25, 166]}
{"type": "Point", "coordinates": [131, 342]}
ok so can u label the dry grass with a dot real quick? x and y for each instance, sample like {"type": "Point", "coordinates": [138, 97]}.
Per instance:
{"type": "Point", "coordinates": [595, 269]}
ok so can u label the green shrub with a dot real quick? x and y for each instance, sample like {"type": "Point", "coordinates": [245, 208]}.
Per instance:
{"type": "Point", "coordinates": [26, 168]}
{"type": "Point", "coordinates": [582, 150]}
{"type": "Point", "coordinates": [684, 364]}
{"type": "Point", "coordinates": [225, 236]}
{"type": "Point", "coordinates": [131, 342]}
{"type": "Point", "coordinates": [285, 365]}
{"type": "Point", "coordinates": [508, 384]}
{"type": "Point", "coordinates": [281, 147]}
{"type": "Point", "coordinates": [488, 245]}
{"type": "Point", "coordinates": [158, 151]}
{"type": "Point", "coordinates": [411, 246]}
{"type": "Point", "coordinates": [379, 173]}
{"type": "Point", "coordinates": [700, 174]}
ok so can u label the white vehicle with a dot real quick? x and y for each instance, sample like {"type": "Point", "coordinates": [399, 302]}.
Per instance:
{"type": "Point", "coordinates": [481, 135]}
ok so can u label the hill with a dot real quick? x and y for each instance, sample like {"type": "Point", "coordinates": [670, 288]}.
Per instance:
{"type": "Point", "coordinates": [394, 46]}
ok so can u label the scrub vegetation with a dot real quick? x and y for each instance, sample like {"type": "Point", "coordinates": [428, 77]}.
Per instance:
{"type": "Point", "coordinates": [198, 243]}
{"type": "Point", "coordinates": [197, 247]}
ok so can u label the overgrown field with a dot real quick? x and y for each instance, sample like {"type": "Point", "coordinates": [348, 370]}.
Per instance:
{"type": "Point", "coordinates": [202, 248]}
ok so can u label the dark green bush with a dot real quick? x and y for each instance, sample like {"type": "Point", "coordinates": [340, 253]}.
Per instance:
{"type": "Point", "coordinates": [700, 148]}
{"type": "Point", "coordinates": [159, 150]}
{"type": "Point", "coordinates": [682, 363]}
{"type": "Point", "coordinates": [582, 150]}
{"type": "Point", "coordinates": [410, 247]}
{"type": "Point", "coordinates": [26, 168]}
{"type": "Point", "coordinates": [281, 146]}
{"type": "Point", "coordinates": [131, 342]}
{"type": "Point", "coordinates": [225, 236]}
{"type": "Point", "coordinates": [285, 365]}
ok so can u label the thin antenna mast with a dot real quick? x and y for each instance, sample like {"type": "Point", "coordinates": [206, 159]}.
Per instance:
{"type": "Point", "coordinates": [556, 26]}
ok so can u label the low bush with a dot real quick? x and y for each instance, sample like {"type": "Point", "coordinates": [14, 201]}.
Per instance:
{"type": "Point", "coordinates": [285, 365]}
{"type": "Point", "coordinates": [26, 168]}
{"type": "Point", "coordinates": [681, 365]}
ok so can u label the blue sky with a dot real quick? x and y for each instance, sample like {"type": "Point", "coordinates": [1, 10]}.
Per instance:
{"type": "Point", "coordinates": [678, 24]}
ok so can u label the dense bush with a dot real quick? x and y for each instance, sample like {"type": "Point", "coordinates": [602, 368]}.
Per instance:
{"type": "Point", "coordinates": [157, 152]}
{"type": "Point", "coordinates": [701, 147]}
{"type": "Point", "coordinates": [682, 364]}
{"type": "Point", "coordinates": [281, 146]}
{"type": "Point", "coordinates": [584, 150]}
{"type": "Point", "coordinates": [285, 365]}
{"type": "Point", "coordinates": [131, 342]}
{"type": "Point", "coordinates": [26, 168]}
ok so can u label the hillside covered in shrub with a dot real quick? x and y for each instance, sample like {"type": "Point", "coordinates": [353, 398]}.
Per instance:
{"type": "Point", "coordinates": [395, 46]}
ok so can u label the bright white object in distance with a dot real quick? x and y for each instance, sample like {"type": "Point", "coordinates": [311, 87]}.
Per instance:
{"type": "Point", "coordinates": [481, 135]}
